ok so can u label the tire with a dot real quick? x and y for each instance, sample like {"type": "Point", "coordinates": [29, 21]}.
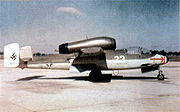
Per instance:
{"type": "Point", "coordinates": [95, 75]}
{"type": "Point", "coordinates": [160, 77]}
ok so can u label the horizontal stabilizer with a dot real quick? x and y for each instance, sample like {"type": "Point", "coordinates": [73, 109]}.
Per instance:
{"type": "Point", "coordinates": [26, 53]}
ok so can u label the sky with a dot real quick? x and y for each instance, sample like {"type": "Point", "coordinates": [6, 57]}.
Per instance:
{"type": "Point", "coordinates": [44, 24]}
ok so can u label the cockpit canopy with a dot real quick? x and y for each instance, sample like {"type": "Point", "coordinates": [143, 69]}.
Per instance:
{"type": "Point", "coordinates": [137, 50]}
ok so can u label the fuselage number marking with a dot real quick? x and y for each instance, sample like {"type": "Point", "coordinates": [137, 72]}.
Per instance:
{"type": "Point", "coordinates": [119, 57]}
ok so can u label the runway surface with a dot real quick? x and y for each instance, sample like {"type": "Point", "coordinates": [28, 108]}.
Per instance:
{"type": "Point", "coordinates": [33, 90]}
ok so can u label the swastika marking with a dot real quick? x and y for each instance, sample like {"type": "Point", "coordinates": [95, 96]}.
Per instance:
{"type": "Point", "coordinates": [13, 56]}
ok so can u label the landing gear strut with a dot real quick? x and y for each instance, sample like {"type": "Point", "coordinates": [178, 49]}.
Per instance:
{"type": "Point", "coordinates": [160, 76]}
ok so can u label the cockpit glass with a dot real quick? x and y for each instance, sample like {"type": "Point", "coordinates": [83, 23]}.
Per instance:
{"type": "Point", "coordinates": [145, 51]}
{"type": "Point", "coordinates": [137, 50]}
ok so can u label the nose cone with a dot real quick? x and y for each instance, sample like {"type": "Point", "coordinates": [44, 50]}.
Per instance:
{"type": "Point", "coordinates": [160, 59]}
{"type": "Point", "coordinates": [167, 59]}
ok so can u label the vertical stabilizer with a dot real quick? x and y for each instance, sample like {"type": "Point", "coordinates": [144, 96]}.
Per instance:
{"type": "Point", "coordinates": [11, 55]}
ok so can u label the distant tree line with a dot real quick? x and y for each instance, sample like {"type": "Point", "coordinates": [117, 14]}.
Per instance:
{"type": "Point", "coordinates": [152, 51]}
{"type": "Point", "coordinates": [165, 53]}
{"type": "Point", "coordinates": [162, 52]}
{"type": "Point", "coordinates": [39, 54]}
{"type": "Point", "coordinates": [35, 54]}
{"type": "Point", "coordinates": [1, 53]}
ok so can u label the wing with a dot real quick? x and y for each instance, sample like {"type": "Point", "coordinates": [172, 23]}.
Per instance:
{"type": "Point", "coordinates": [86, 59]}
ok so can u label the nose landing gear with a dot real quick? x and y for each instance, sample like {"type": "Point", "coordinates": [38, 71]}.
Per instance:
{"type": "Point", "coordinates": [160, 76]}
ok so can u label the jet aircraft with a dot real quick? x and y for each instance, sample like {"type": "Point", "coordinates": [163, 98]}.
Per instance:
{"type": "Point", "coordinates": [94, 55]}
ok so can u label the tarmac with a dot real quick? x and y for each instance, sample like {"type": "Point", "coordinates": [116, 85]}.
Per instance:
{"type": "Point", "coordinates": [41, 90]}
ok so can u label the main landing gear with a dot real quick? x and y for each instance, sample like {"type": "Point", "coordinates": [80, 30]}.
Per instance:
{"type": "Point", "coordinates": [95, 75]}
{"type": "Point", "coordinates": [160, 76]}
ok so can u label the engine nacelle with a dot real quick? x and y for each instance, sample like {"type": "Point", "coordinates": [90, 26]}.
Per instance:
{"type": "Point", "coordinates": [106, 43]}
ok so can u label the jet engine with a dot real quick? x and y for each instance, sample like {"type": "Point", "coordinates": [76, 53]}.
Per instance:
{"type": "Point", "coordinates": [106, 43]}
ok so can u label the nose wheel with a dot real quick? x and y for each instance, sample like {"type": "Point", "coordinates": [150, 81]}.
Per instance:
{"type": "Point", "coordinates": [160, 76]}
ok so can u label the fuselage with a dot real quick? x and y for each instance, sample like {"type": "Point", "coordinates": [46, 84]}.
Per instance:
{"type": "Point", "coordinates": [118, 60]}
{"type": "Point", "coordinates": [109, 60]}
